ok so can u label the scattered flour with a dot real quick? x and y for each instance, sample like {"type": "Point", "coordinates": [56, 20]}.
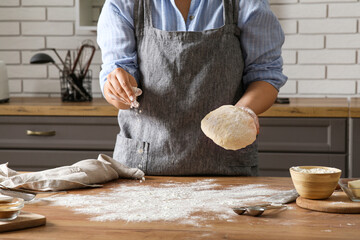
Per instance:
{"type": "Point", "coordinates": [171, 201]}
{"type": "Point", "coordinates": [315, 170]}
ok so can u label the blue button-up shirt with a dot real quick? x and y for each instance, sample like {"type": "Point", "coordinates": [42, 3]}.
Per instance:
{"type": "Point", "coordinates": [261, 35]}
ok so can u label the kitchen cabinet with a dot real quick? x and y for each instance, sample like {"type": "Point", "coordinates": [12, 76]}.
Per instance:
{"type": "Point", "coordinates": [304, 132]}
{"type": "Point", "coordinates": [31, 143]}
{"type": "Point", "coordinates": [354, 136]}
{"type": "Point", "coordinates": [287, 142]}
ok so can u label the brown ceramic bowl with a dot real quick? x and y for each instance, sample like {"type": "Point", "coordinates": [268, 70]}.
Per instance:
{"type": "Point", "coordinates": [315, 182]}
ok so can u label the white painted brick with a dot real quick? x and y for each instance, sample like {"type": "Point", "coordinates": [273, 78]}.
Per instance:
{"type": "Point", "coordinates": [327, 56]}
{"type": "Point", "coordinates": [344, 10]}
{"type": "Point", "coordinates": [44, 95]}
{"type": "Point", "coordinates": [282, 1]}
{"type": "Point", "coordinates": [328, 26]}
{"type": "Point", "coordinates": [61, 14]}
{"type": "Point", "coordinates": [292, 11]}
{"type": "Point", "coordinates": [327, 87]}
{"type": "Point", "coordinates": [47, 28]}
{"type": "Point", "coordinates": [68, 42]}
{"type": "Point", "coordinates": [304, 42]}
{"type": "Point", "coordinates": [290, 87]}
{"type": "Point", "coordinates": [16, 43]}
{"type": "Point", "coordinates": [9, 28]}
{"type": "Point", "coordinates": [358, 88]}
{"type": "Point", "coordinates": [344, 72]}
{"type": "Point", "coordinates": [26, 71]}
{"type": "Point", "coordinates": [304, 72]}
{"type": "Point", "coordinates": [358, 57]}
{"type": "Point", "coordinates": [289, 57]}
{"type": "Point", "coordinates": [7, 3]}
{"type": "Point", "coordinates": [97, 57]}
{"type": "Point", "coordinates": [95, 87]}
{"type": "Point", "coordinates": [343, 41]}
{"type": "Point", "coordinates": [10, 57]}
{"type": "Point", "coordinates": [22, 14]}
{"type": "Point", "coordinates": [289, 26]}
{"type": "Point", "coordinates": [47, 3]}
{"type": "Point", "coordinates": [41, 86]}
{"type": "Point", "coordinates": [15, 86]}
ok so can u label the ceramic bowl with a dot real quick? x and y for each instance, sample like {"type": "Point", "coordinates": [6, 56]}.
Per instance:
{"type": "Point", "coordinates": [10, 210]}
{"type": "Point", "coordinates": [315, 182]}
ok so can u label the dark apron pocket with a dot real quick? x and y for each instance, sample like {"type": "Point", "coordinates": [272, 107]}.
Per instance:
{"type": "Point", "coordinates": [131, 152]}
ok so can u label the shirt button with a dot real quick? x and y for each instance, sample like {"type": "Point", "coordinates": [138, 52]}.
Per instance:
{"type": "Point", "coordinates": [191, 17]}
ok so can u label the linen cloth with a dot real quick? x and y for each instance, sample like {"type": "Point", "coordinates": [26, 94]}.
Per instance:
{"type": "Point", "coordinates": [85, 173]}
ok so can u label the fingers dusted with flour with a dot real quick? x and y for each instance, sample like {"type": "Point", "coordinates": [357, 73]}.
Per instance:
{"type": "Point", "coordinates": [118, 89]}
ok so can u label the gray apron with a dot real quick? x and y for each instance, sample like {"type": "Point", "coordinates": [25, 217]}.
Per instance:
{"type": "Point", "coordinates": [184, 76]}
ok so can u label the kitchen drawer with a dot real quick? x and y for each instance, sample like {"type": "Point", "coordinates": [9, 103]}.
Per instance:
{"type": "Point", "coordinates": [278, 164]}
{"type": "Point", "coordinates": [93, 133]}
{"type": "Point", "coordinates": [36, 160]}
{"type": "Point", "coordinates": [302, 135]}
{"type": "Point", "coordinates": [355, 147]}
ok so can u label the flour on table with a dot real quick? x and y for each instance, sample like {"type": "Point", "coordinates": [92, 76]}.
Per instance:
{"type": "Point", "coordinates": [171, 201]}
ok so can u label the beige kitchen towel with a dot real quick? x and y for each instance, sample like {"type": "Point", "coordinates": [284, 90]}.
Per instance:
{"type": "Point", "coordinates": [85, 173]}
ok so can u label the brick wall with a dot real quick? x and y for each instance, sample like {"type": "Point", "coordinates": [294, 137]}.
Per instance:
{"type": "Point", "coordinates": [321, 51]}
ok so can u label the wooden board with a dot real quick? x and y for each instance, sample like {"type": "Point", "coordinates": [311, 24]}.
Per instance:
{"type": "Point", "coordinates": [337, 203]}
{"type": "Point", "coordinates": [24, 220]}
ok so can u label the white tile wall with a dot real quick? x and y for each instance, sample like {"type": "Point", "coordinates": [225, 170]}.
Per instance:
{"type": "Point", "coordinates": [321, 52]}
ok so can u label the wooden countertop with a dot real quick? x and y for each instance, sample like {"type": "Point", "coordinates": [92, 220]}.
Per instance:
{"type": "Point", "coordinates": [355, 108]}
{"type": "Point", "coordinates": [293, 223]}
{"type": "Point", "coordinates": [298, 107]}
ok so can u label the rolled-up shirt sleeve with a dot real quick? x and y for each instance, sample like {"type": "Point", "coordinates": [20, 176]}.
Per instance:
{"type": "Point", "coordinates": [116, 39]}
{"type": "Point", "coordinates": [261, 40]}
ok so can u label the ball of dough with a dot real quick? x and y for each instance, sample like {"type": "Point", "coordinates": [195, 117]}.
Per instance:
{"type": "Point", "coordinates": [229, 127]}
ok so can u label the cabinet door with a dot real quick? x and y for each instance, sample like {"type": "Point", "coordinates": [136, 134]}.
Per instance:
{"type": "Point", "coordinates": [36, 160]}
{"type": "Point", "coordinates": [278, 164]}
{"type": "Point", "coordinates": [355, 147]}
{"type": "Point", "coordinates": [316, 135]}
{"type": "Point", "coordinates": [75, 133]}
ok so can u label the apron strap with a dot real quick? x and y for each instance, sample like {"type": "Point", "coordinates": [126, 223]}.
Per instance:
{"type": "Point", "coordinates": [147, 14]}
{"type": "Point", "coordinates": [231, 11]}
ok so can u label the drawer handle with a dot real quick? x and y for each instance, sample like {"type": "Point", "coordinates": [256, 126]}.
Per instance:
{"type": "Point", "coordinates": [40, 133]}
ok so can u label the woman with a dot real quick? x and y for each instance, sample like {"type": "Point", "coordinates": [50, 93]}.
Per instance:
{"type": "Point", "coordinates": [189, 57]}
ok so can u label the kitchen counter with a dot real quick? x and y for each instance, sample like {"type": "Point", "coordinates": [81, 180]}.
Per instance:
{"type": "Point", "coordinates": [355, 108]}
{"type": "Point", "coordinates": [293, 223]}
{"type": "Point", "coordinates": [298, 107]}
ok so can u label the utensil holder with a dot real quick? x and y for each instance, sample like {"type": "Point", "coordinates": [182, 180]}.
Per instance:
{"type": "Point", "coordinates": [73, 89]}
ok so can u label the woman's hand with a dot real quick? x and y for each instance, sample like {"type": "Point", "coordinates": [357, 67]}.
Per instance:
{"type": "Point", "coordinates": [118, 89]}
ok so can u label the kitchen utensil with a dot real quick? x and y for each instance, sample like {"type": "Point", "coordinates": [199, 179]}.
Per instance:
{"type": "Point", "coordinates": [27, 195]}
{"type": "Point", "coordinates": [67, 66]}
{"type": "Point", "coordinates": [352, 193]}
{"type": "Point", "coordinates": [40, 58]}
{"type": "Point", "coordinates": [4, 84]}
{"type": "Point", "coordinates": [315, 185]}
{"type": "Point", "coordinates": [24, 220]}
{"type": "Point", "coordinates": [57, 54]}
{"type": "Point", "coordinates": [257, 210]}
{"type": "Point", "coordinates": [337, 203]}
{"type": "Point", "coordinates": [83, 60]}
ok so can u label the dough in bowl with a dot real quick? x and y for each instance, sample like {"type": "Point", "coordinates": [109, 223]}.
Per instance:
{"type": "Point", "coordinates": [229, 127]}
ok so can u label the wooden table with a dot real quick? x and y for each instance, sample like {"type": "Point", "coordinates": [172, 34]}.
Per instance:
{"type": "Point", "coordinates": [293, 223]}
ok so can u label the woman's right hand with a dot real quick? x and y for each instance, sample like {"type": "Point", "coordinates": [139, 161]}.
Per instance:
{"type": "Point", "coordinates": [118, 89]}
